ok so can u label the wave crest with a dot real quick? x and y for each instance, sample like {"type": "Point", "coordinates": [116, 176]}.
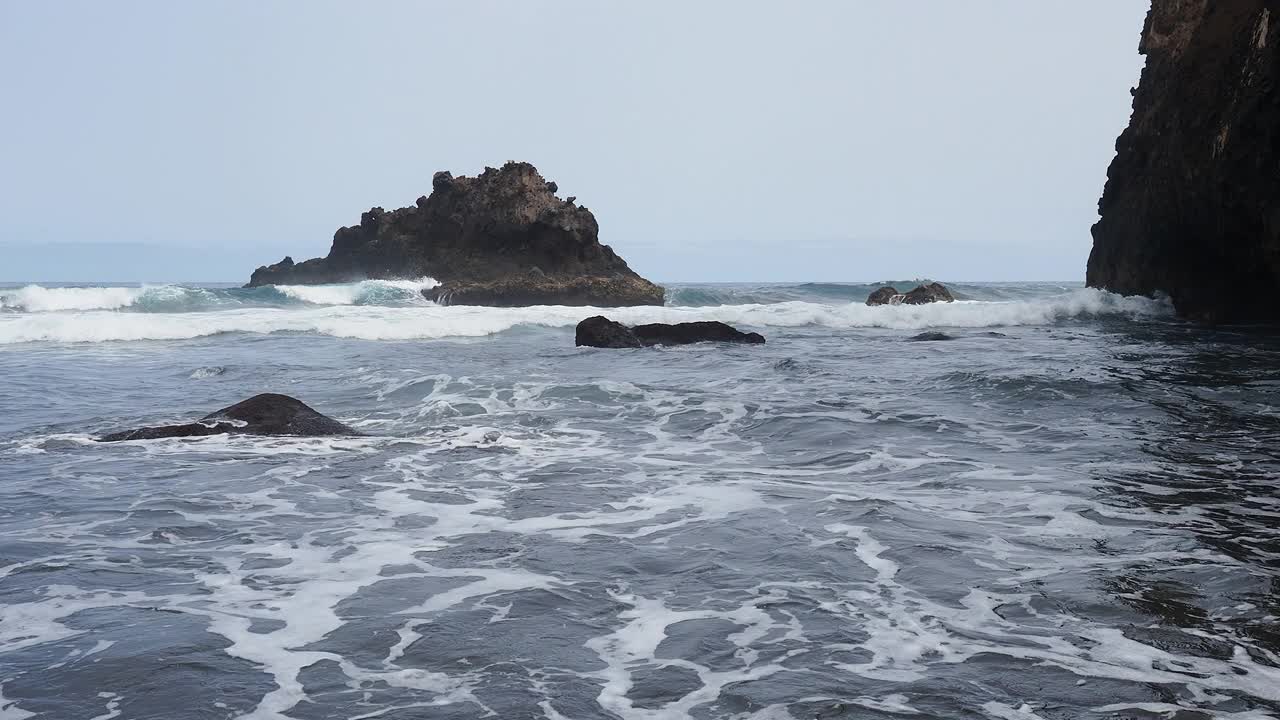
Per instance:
{"type": "Point", "coordinates": [429, 321]}
{"type": "Point", "coordinates": [36, 298]}
{"type": "Point", "coordinates": [367, 292]}
{"type": "Point", "coordinates": [183, 299]}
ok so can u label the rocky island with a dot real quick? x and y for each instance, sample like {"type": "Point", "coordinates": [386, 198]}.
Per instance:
{"type": "Point", "coordinates": [502, 238]}
{"type": "Point", "coordinates": [1191, 207]}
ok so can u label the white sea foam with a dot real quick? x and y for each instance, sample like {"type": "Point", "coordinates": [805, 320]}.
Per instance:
{"type": "Point", "coordinates": [367, 292]}
{"type": "Point", "coordinates": [207, 372]}
{"type": "Point", "coordinates": [312, 554]}
{"type": "Point", "coordinates": [36, 298]}
{"type": "Point", "coordinates": [430, 321]}
{"type": "Point", "coordinates": [168, 298]}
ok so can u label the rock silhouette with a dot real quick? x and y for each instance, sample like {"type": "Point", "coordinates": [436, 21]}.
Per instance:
{"type": "Point", "coordinates": [500, 238]}
{"type": "Point", "coordinates": [1191, 207]}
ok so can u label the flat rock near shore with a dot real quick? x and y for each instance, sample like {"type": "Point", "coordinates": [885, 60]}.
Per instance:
{"type": "Point", "coordinates": [502, 238]}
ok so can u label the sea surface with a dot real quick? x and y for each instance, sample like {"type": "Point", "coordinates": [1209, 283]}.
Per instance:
{"type": "Point", "coordinates": [1069, 511]}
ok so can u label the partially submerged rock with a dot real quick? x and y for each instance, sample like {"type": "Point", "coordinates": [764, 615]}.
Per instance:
{"type": "Point", "coordinates": [932, 336]}
{"type": "Point", "coordinates": [694, 332]}
{"type": "Point", "coordinates": [265, 414]}
{"type": "Point", "coordinates": [880, 296]}
{"type": "Point", "coordinates": [600, 331]}
{"type": "Point", "coordinates": [921, 295]}
{"type": "Point", "coordinates": [500, 238]}
{"type": "Point", "coordinates": [537, 289]}
{"type": "Point", "coordinates": [935, 336]}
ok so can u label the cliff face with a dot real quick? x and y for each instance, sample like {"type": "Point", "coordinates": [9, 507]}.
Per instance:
{"type": "Point", "coordinates": [1192, 201]}
{"type": "Point", "coordinates": [500, 238]}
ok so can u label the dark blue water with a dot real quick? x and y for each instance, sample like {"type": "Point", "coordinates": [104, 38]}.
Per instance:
{"type": "Point", "coordinates": [1069, 511]}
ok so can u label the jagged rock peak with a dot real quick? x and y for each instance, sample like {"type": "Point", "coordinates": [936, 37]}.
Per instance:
{"type": "Point", "coordinates": [502, 237]}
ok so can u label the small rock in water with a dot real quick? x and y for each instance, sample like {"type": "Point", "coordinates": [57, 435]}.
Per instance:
{"type": "Point", "coordinates": [265, 414]}
{"type": "Point", "coordinates": [883, 296]}
{"type": "Point", "coordinates": [928, 293]}
{"type": "Point", "coordinates": [600, 331]}
{"type": "Point", "coordinates": [921, 295]}
{"type": "Point", "coordinates": [931, 336]}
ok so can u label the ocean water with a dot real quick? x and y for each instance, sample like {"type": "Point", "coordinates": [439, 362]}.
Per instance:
{"type": "Point", "coordinates": [1071, 510]}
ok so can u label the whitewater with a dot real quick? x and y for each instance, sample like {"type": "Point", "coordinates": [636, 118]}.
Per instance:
{"type": "Point", "coordinates": [1068, 510]}
{"type": "Point", "coordinates": [397, 310]}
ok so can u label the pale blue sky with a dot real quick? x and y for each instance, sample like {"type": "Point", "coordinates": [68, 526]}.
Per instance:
{"type": "Point", "coordinates": [729, 140]}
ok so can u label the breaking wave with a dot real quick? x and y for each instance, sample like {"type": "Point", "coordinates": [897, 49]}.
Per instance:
{"type": "Point", "coordinates": [35, 298]}
{"type": "Point", "coordinates": [169, 298]}
{"type": "Point", "coordinates": [368, 292]}
{"type": "Point", "coordinates": [346, 311]}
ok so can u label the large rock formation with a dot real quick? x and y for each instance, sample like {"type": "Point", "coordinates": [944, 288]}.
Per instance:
{"type": "Point", "coordinates": [1192, 201]}
{"type": "Point", "coordinates": [599, 331]}
{"type": "Point", "coordinates": [265, 414]}
{"type": "Point", "coordinates": [500, 238]}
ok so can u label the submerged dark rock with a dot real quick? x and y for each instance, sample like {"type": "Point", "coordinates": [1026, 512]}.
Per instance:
{"type": "Point", "coordinates": [500, 238]}
{"type": "Point", "coordinates": [600, 331]}
{"type": "Point", "coordinates": [1191, 207]}
{"type": "Point", "coordinates": [920, 295]}
{"type": "Point", "coordinates": [265, 414]}
{"type": "Point", "coordinates": [936, 335]}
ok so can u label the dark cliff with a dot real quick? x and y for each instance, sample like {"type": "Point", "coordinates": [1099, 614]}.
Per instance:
{"type": "Point", "coordinates": [500, 238]}
{"type": "Point", "coordinates": [1192, 201]}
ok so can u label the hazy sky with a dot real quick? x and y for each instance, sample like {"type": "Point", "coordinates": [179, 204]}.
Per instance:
{"type": "Point", "coordinates": [840, 140]}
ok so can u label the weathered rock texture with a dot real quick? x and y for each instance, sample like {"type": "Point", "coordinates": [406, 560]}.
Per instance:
{"type": "Point", "coordinates": [265, 414]}
{"type": "Point", "coordinates": [599, 331]}
{"type": "Point", "coordinates": [920, 295]}
{"type": "Point", "coordinates": [1192, 201]}
{"type": "Point", "coordinates": [500, 238]}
